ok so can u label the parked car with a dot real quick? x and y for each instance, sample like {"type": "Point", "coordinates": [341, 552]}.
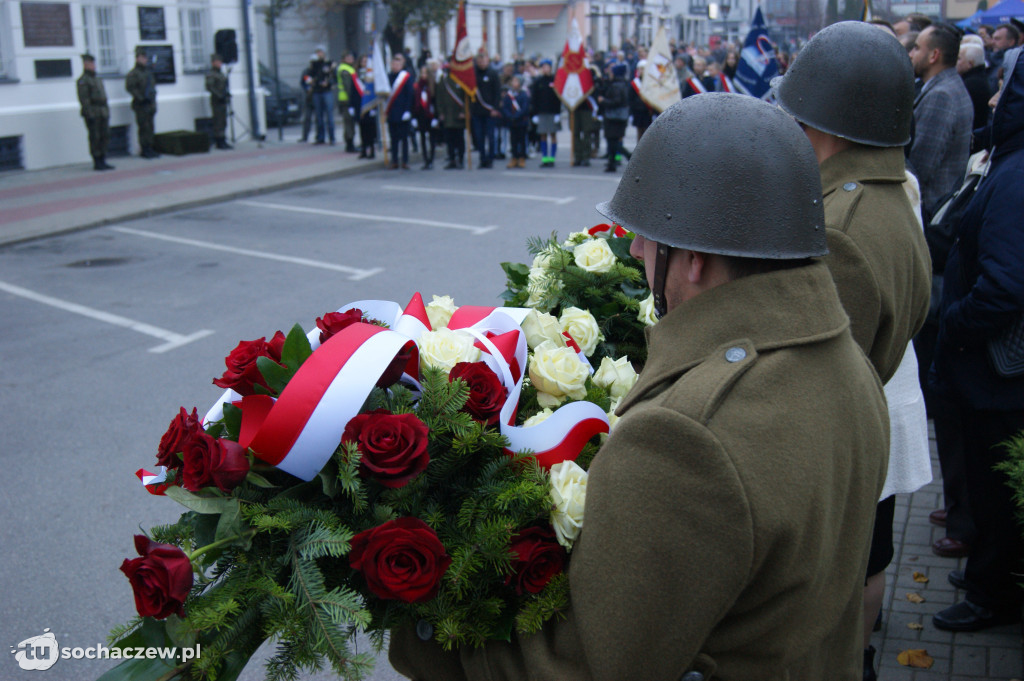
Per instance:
{"type": "Point", "coordinates": [284, 111]}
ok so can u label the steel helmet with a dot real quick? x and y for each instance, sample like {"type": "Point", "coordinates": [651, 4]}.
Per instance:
{"type": "Point", "coordinates": [852, 80]}
{"type": "Point", "coordinates": [727, 174]}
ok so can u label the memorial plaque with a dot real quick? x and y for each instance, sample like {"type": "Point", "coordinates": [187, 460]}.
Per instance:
{"type": "Point", "coordinates": [52, 68]}
{"type": "Point", "coordinates": [151, 23]}
{"type": "Point", "coordinates": [161, 62]}
{"type": "Point", "coordinates": [46, 24]}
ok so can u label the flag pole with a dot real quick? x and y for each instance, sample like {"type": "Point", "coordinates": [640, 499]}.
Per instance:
{"type": "Point", "coordinates": [469, 138]}
{"type": "Point", "coordinates": [572, 135]}
{"type": "Point", "coordinates": [383, 128]}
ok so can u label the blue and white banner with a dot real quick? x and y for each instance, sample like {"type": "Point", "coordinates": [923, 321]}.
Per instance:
{"type": "Point", "coordinates": [757, 64]}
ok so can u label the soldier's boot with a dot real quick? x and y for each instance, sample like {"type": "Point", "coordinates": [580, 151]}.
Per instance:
{"type": "Point", "coordinates": [100, 163]}
{"type": "Point", "coordinates": [350, 148]}
{"type": "Point", "coordinates": [149, 152]}
{"type": "Point", "coordinates": [223, 143]}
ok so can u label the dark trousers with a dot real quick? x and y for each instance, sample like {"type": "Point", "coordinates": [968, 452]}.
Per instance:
{"type": "Point", "coordinates": [581, 123]}
{"type": "Point", "coordinates": [996, 560]}
{"type": "Point", "coordinates": [483, 137]}
{"type": "Point", "coordinates": [428, 142]}
{"type": "Point", "coordinates": [455, 140]}
{"type": "Point", "coordinates": [399, 134]}
{"type": "Point", "coordinates": [368, 133]}
{"type": "Point", "coordinates": [614, 149]}
{"type": "Point", "coordinates": [144, 116]}
{"type": "Point", "coordinates": [307, 116]}
{"type": "Point", "coordinates": [99, 135]}
{"type": "Point", "coordinates": [347, 122]}
{"type": "Point", "coordinates": [220, 119]}
{"type": "Point", "coordinates": [323, 106]}
{"type": "Point", "coordinates": [517, 141]}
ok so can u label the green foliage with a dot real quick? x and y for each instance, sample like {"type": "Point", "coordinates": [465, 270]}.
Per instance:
{"type": "Point", "coordinates": [1013, 467]}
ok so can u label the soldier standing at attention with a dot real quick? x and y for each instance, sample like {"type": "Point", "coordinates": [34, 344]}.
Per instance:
{"type": "Point", "coordinates": [93, 99]}
{"type": "Point", "coordinates": [220, 95]}
{"type": "Point", "coordinates": [141, 85]}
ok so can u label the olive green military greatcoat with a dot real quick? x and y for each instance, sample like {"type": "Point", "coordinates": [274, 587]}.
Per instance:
{"type": "Point", "coordinates": [877, 252]}
{"type": "Point", "coordinates": [93, 99]}
{"type": "Point", "coordinates": [141, 85]}
{"type": "Point", "coordinates": [217, 86]}
{"type": "Point", "coordinates": [727, 513]}
{"type": "Point", "coordinates": [451, 109]}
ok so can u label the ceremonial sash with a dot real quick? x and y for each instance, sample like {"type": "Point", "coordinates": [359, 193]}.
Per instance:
{"type": "Point", "coordinates": [458, 99]}
{"type": "Point", "coordinates": [515, 104]}
{"type": "Point", "coordinates": [636, 84]}
{"type": "Point", "coordinates": [396, 87]}
{"type": "Point", "coordinates": [358, 85]}
{"type": "Point", "coordinates": [696, 85]}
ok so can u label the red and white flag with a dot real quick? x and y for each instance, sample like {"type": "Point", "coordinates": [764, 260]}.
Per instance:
{"type": "Point", "coordinates": [461, 66]}
{"type": "Point", "coordinates": [573, 81]}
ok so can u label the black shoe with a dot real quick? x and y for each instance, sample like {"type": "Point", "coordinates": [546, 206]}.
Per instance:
{"type": "Point", "coordinates": [966, 616]}
{"type": "Point", "coordinates": [450, 165]}
{"type": "Point", "coordinates": [500, 157]}
{"type": "Point", "coordinates": [486, 164]}
{"type": "Point", "coordinates": [318, 142]}
{"type": "Point", "coordinates": [577, 164]}
{"type": "Point", "coordinates": [303, 139]}
{"type": "Point", "coordinates": [610, 169]}
{"type": "Point", "coordinates": [957, 579]}
{"type": "Point", "coordinates": [362, 154]}
{"type": "Point", "coordinates": [350, 148]}
{"type": "Point", "coordinates": [223, 144]}
{"type": "Point", "coordinates": [149, 153]}
{"type": "Point", "coordinates": [428, 165]}
{"type": "Point", "coordinates": [869, 664]}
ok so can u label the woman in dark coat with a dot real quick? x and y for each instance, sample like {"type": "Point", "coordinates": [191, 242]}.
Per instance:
{"type": "Point", "coordinates": [983, 298]}
{"type": "Point", "coordinates": [615, 105]}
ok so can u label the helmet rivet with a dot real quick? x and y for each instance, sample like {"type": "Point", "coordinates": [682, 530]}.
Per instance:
{"type": "Point", "coordinates": [668, 216]}
{"type": "Point", "coordinates": [637, 180]}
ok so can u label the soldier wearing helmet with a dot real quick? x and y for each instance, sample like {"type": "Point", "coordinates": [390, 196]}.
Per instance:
{"type": "Point", "coordinates": [728, 512]}
{"type": "Point", "coordinates": [852, 91]}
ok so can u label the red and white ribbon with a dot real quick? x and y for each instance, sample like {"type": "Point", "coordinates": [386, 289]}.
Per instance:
{"type": "Point", "coordinates": [300, 430]}
{"type": "Point", "coordinates": [605, 229]}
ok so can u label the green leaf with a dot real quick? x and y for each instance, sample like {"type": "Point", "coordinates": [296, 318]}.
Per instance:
{"type": "Point", "coordinates": [232, 421]}
{"type": "Point", "coordinates": [258, 480]}
{"type": "Point", "coordinates": [197, 503]}
{"type": "Point", "coordinates": [517, 272]}
{"type": "Point", "coordinates": [140, 670]}
{"type": "Point", "coordinates": [230, 523]}
{"type": "Point", "coordinates": [152, 633]}
{"type": "Point", "coordinates": [181, 635]}
{"type": "Point", "coordinates": [620, 247]}
{"type": "Point", "coordinates": [274, 374]}
{"type": "Point", "coordinates": [296, 348]}
{"type": "Point", "coordinates": [205, 527]}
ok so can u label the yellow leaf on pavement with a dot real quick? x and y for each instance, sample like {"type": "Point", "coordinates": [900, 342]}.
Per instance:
{"type": "Point", "coordinates": [916, 626]}
{"type": "Point", "coordinates": [915, 658]}
{"type": "Point", "coordinates": [915, 597]}
{"type": "Point", "coordinates": [920, 577]}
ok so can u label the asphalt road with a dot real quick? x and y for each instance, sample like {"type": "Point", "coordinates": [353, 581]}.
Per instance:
{"type": "Point", "coordinates": [107, 332]}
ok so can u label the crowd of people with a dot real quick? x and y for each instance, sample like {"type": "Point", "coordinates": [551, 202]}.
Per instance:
{"type": "Point", "coordinates": [514, 115]}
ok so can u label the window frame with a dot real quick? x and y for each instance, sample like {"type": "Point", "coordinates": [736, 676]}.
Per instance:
{"type": "Point", "coordinates": [195, 54]}
{"type": "Point", "coordinates": [110, 59]}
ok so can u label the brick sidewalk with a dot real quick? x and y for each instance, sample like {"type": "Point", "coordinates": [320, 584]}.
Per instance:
{"type": "Point", "coordinates": [992, 654]}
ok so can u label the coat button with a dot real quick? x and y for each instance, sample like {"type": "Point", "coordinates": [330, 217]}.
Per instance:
{"type": "Point", "coordinates": [732, 355]}
{"type": "Point", "coordinates": [692, 676]}
{"type": "Point", "coordinates": [850, 186]}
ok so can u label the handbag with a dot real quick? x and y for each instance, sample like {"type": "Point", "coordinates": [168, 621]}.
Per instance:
{"type": "Point", "coordinates": [1006, 351]}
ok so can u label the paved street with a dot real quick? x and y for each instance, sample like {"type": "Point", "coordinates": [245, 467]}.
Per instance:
{"type": "Point", "coordinates": [108, 330]}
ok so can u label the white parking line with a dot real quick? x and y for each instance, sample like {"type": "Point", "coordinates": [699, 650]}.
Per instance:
{"type": "Point", "coordinates": [378, 218]}
{"type": "Point", "coordinates": [462, 192]}
{"type": "Point", "coordinates": [354, 273]}
{"type": "Point", "coordinates": [171, 340]}
{"type": "Point", "coordinates": [561, 176]}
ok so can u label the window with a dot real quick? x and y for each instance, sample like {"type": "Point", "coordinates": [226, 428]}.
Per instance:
{"type": "Point", "coordinates": [6, 42]}
{"type": "Point", "coordinates": [101, 36]}
{"type": "Point", "coordinates": [444, 40]}
{"type": "Point", "coordinates": [194, 40]}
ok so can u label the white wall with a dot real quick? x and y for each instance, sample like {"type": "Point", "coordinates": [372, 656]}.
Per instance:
{"type": "Point", "coordinates": [45, 112]}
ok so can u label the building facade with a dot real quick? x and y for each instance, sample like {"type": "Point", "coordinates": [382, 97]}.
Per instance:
{"type": "Point", "coordinates": [40, 46]}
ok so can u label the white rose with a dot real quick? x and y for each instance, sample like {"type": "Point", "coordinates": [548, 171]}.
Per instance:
{"type": "Point", "coordinates": [647, 315]}
{"type": "Point", "coordinates": [541, 326]}
{"type": "Point", "coordinates": [445, 348]}
{"type": "Point", "coordinates": [439, 311]}
{"type": "Point", "coordinates": [568, 495]}
{"type": "Point", "coordinates": [612, 417]}
{"type": "Point", "coordinates": [539, 284]}
{"type": "Point", "coordinates": [576, 238]}
{"type": "Point", "coordinates": [557, 373]}
{"type": "Point", "coordinates": [582, 326]}
{"type": "Point", "coordinates": [594, 255]}
{"type": "Point", "coordinates": [539, 417]}
{"type": "Point", "coordinates": [617, 377]}
{"type": "Point", "coordinates": [541, 261]}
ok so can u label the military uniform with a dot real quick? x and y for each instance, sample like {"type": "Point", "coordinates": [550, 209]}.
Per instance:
{"type": "Point", "coordinates": [93, 98]}
{"type": "Point", "coordinates": [347, 102]}
{"type": "Point", "coordinates": [141, 85]}
{"type": "Point", "coordinates": [727, 513]}
{"type": "Point", "coordinates": [451, 110]}
{"type": "Point", "coordinates": [220, 95]}
{"type": "Point", "coordinates": [877, 252]}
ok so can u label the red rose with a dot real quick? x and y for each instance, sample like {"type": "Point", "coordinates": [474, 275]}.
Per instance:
{"type": "Point", "coordinates": [183, 428]}
{"type": "Point", "coordinates": [393, 446]}
{"type": "Point", "coordinates": [333, 322]}
{"type": "Point", "coordinates": [486, 393]}
{"type": "Point", "coordinates": [536, 558]}
{"type": "Point", "coordinates": [242, 373]}
{"type": "Point", "coordinates": [401, 560]}
{"type": "Point", "coordinates": [209, 461]}
{"type": "Point", "coordinates": [161, 578]}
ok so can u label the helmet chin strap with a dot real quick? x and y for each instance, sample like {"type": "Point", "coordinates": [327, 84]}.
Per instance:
{"type": "Point", "coordinates": [660, 272]}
